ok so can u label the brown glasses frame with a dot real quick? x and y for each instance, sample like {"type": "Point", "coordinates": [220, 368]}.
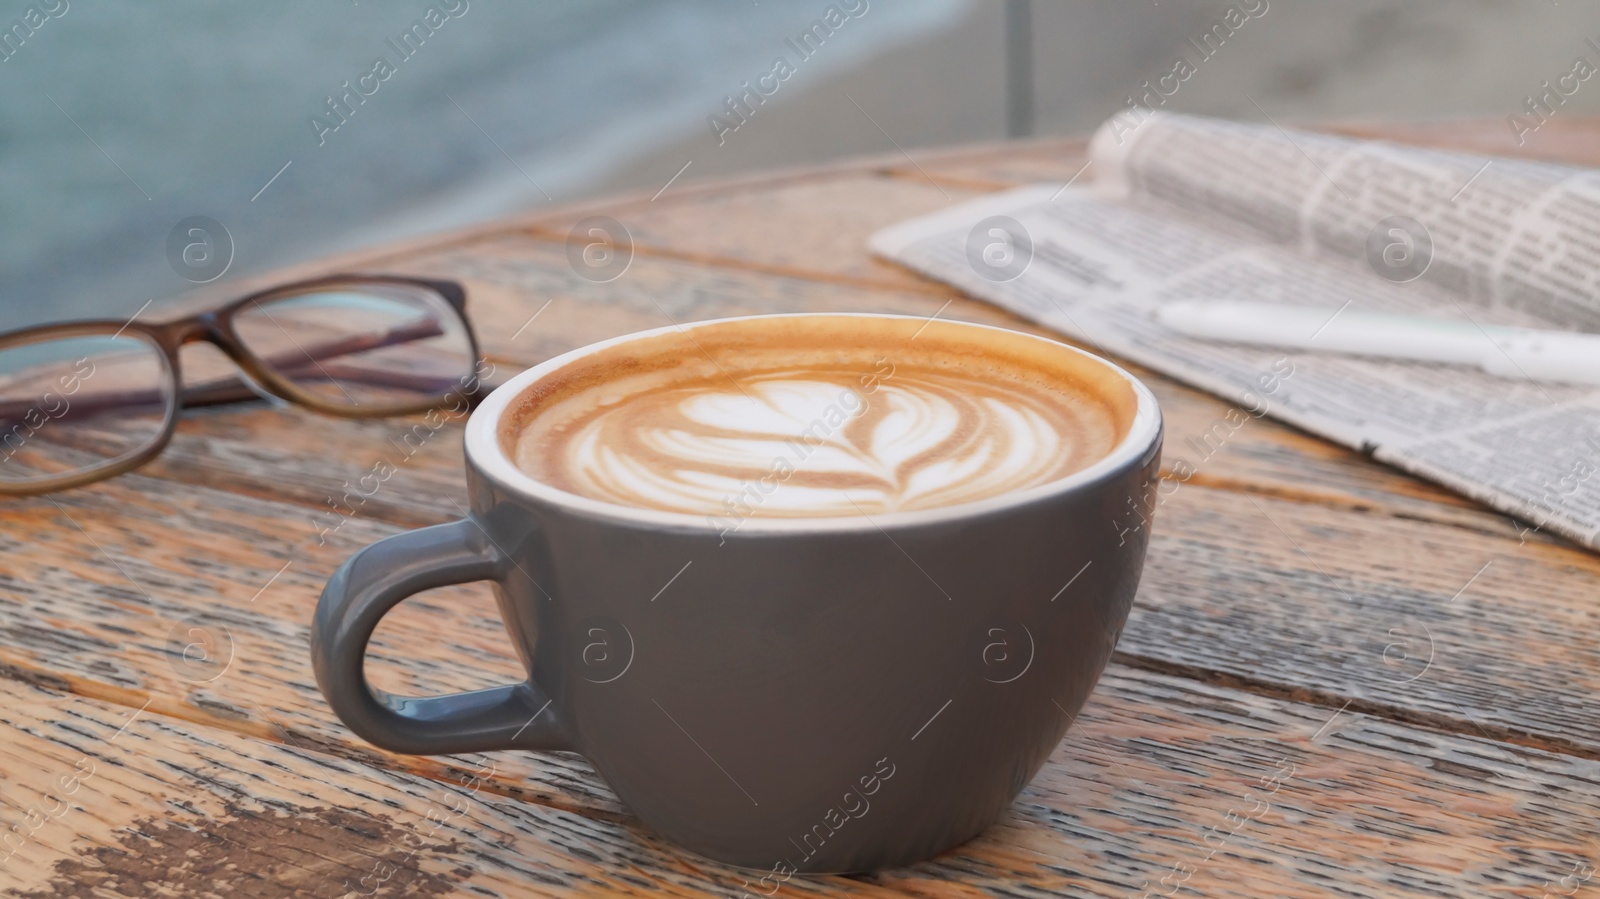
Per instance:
{"type": "Point", "coordinates": [215, 326]}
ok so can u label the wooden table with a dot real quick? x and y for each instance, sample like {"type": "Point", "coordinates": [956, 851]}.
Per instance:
{"type": "Point", "coordinates": [1337, 680]}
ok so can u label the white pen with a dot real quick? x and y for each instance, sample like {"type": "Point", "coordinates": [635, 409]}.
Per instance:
{"type": "Point", "coordinates": [1526, 353]}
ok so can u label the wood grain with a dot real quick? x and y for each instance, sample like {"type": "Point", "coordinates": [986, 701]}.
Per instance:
{"type": "Point", "coordinates": [201, 603]}
{"type": "Point", "coordinates": [1362, 806]}
{"type": "Point", "coordinates": [1415, 620]}
{"type": "Point", "coordinates": [991, 167]}
{"type": "Point", "coordinates": [1283, 596]}
{"type": "Point", "coordinates": [108, 800]}
{"type": "Point", "coordinates": [1162, 783]}
{"type": "Point", "coordinates": [786, 229]}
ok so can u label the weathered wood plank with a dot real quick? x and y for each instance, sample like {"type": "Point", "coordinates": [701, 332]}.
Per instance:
{"type": "Point", "coordinates": [512, 277]}
{"type": "Point", "coordinates": [201, 600]}
{"type": "Point", "coordinates": [248, 674]}
{"type": "Point", "coordinates": [1166, 783]}
{"type": "Point", "coordinates": [810, 228]}
{"type": "Point", "coordinates": [1286, 595]}
{"type": "Point", "coordinates": [103, 799]}
{"type": "Point", "coordinates": [1163, 782]}
{"type": "Point", "coordinates": [1473, 633]}
{"type": "Point", "coordinates": [992, 167]}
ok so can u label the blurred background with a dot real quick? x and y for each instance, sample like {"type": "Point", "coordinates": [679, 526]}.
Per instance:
{"type": "Point", "coordinates": [119, 120]}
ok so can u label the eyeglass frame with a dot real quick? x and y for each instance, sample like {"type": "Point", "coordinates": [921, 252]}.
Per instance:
{"type": "Point", "coordinates": [215, 326]}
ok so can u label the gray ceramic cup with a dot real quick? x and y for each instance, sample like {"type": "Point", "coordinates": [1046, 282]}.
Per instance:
{"type": "Point", "coordinates": [792, 696]}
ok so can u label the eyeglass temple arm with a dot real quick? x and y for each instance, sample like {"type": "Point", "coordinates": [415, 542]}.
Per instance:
{"type": "Point", "coordinates": [235, 389]}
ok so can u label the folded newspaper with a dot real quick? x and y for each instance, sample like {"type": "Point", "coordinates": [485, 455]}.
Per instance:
{"type": "Point", "coordinates": [1178, 207]}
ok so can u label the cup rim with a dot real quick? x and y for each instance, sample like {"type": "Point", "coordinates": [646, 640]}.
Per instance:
{"type": "Point", "coordinates": [484, 452]}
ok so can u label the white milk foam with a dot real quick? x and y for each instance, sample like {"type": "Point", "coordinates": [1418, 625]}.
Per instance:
{"type": "Point", "coordinates": [816, 443]}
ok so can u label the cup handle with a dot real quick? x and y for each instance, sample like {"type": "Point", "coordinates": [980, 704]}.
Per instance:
{"type": "Point", "coordinates": [361, 592]}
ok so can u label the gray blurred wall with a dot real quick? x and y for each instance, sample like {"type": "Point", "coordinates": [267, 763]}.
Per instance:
{"type": "Point", "coordinates": [1300, 60]}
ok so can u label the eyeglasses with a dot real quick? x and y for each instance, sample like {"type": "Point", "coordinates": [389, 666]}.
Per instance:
{"type": "Point", "coordinates": [84, 401]}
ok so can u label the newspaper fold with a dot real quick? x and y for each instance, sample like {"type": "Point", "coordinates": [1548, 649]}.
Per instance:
{"type": "Point", "coordinates": [1181, 207]}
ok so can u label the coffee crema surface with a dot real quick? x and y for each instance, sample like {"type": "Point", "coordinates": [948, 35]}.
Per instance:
{"type": "Point", "coordinates": [816, 416]}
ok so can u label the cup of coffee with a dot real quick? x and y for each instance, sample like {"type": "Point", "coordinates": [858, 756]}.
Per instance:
{"type": "Point", "coordinates": [813, 593]}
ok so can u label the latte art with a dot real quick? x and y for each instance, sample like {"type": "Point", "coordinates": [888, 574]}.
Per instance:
{"type": "Point", "coordinates": [813, 443]}
{"type": "Point", "coordinates": [810, 431]}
